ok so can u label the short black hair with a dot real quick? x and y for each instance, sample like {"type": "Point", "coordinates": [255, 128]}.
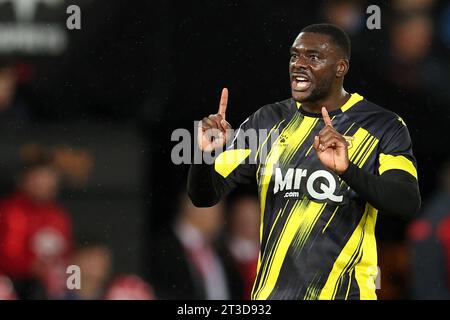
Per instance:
{"type": "Point", "coordinates": [337, 35]}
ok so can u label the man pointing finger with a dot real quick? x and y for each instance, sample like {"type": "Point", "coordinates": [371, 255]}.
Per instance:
{"type": "Point", "coordinates": [318, 207]}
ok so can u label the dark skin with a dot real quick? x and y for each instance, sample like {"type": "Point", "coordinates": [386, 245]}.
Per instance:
{"type": "Point", "coordinates": [319, 66]}
{"type": "Point", "coordinates": [315, 56]}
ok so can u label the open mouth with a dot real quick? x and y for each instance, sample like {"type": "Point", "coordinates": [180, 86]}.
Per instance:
{"type": "Point", "coordinates": [300, 83]}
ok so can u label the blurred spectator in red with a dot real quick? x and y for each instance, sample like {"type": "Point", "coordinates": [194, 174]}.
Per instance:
{"type": "Point", "coordinates": [243, 238]}
{"type": "Point", "coordinates": [429, 238]}
{"type": "Point", "coordinates": [186, 261]}
{"type": "Point", "coordinates": [35, 232]}
{"type": "Point", "coordinates": [95, 262]}
{"type": "Point", "coordinates": [129, 287]}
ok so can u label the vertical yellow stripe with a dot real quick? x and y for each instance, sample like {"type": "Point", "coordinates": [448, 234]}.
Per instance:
{"type": "Point", "coordinates": [296, 134]}
{"type": "Point", "coordinates": [369, 151]}
{"type": "Point", "coordinates": [275, 127]}
{"type": "Point", "coordinates": [272, 157]}
{"type": "Point", "coordinates": [297, 139]}
{"type": "Point", "coordinates": [267, 250]}
{"type": "Point", "coordinates": [328, 291]}
{"type": "Point", "coordinates": [281, 248]}
{"type": "Point", "coordinates": [268, 258]}
{"type": "Point", "coordinates": [363, 149]}
{"type": "Point", "coordinates": [346, 131]}
{"type": "Point", "coordinates": [363, 146]}
{"type": "Point", "coordinates": [332, 216]}
{"type": "Point", "coordinates": [349, 283]}
{"type": "Point", "coordinates": [280, 213]}
{"type": "Point", "coordinates": [267, 167]}
{"type": "Point", "coordinates": [256, 278]}
{"type": "Point", "coordinates": [359, 137]}
{"type": "Point", "coordinates": [366, 270]}
{"type": "Point", "coordinates": [304, 231]}
{"type": "Point", "coordinates": [301, 216]}
{"type": "Point", "coordinates": [309, 150]}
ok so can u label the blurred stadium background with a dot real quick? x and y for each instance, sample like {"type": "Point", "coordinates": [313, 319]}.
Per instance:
{"type": "Point", "coordinates": [96, 108]}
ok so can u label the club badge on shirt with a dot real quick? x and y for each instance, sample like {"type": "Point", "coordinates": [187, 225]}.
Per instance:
{"type": "Point", "coordinates": [349, 140]}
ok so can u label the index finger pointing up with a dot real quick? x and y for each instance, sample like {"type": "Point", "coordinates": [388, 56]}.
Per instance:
{"type": "Point", "coordinates": [326, 117]}
{"type": "Point", "coordinates": [223, 102]}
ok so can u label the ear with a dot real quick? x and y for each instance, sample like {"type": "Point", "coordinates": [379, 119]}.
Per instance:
{"type": "Point", "coordinates": [342, 67]}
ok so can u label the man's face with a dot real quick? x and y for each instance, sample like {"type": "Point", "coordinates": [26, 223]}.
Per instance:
{"type": "Point", "coordinates": [312, 67]}
{"type": "Point", "coordinates": [8, 82]}
{"type": "Point", "coordinates": [244, 219]}
{"type": "Point", "coordinates": [208, 221]}
{"type": "Point", "coordinates": [41, 183]}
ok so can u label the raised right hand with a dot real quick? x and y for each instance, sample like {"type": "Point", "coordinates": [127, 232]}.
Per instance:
{"type": "Point", "coordinates": [212, 130]}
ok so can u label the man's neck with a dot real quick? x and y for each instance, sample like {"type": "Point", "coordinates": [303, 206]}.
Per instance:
{"type": "Point", "coordinates": [331, 103]}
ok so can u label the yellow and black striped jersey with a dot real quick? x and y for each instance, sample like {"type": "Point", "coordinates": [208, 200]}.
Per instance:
{"type": "Point", "coordinates": [317, 234]}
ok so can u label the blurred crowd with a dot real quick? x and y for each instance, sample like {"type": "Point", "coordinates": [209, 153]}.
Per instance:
{"type": "Point", "coordinates": [205, 254]}
{"type": "Point", "coordinates": [37, 245]}
{"type": "Point", "coordinates": [212, 253]}
{"type": "Point", "coordinates": [208, 253]}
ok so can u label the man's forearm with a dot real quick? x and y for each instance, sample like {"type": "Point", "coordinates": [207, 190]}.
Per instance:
{"type": "Point", "coordinates": [395, 192]}
{"type": "Point", "coordinates": [203, 186]}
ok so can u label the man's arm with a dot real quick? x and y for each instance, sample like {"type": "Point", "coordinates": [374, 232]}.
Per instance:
{"type": "Point", "coordinates": [208, 183]}
{"type": "Point", "coordinates": [394, 192]}
{"type": "Point", "coordinates": [205, 188]}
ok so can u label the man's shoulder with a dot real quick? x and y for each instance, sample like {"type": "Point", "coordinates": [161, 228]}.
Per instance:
{"type": "Point", "coordinates": [373, 109]}
{"type": "Point", "coordinates": [384, 114]}
{"type": "Point", "coordinates": [378, 116]}
{"type": "Point", "coordinates": [379, 121]}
